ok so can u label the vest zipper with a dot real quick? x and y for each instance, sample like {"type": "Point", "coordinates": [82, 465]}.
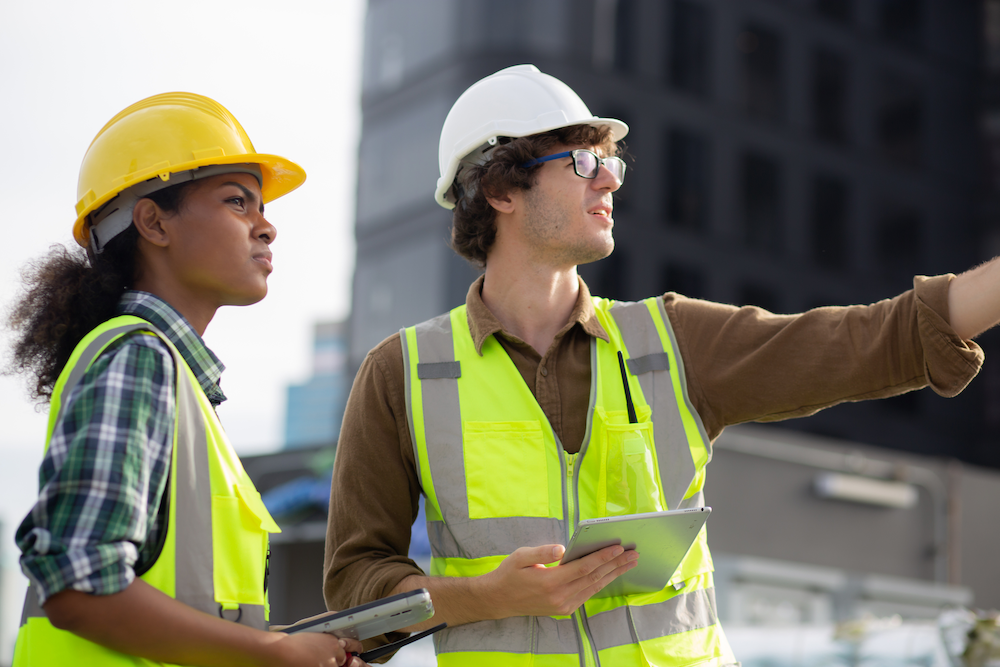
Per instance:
{"type": "Point", "coordinates": [570, 496]}
{"type": "Point", "coordinates": [589, 655]}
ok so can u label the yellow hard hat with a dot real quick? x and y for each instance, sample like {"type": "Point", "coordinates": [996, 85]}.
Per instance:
{"type": "Point", "coordinates": [167, 134]}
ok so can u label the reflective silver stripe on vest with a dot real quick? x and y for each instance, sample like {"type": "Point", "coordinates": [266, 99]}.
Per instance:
{"type": "Point", "coordinates": [195, 585]}
{"type": "Point", "coordinates": [479, 536]}
{"type": "Point", "coordinates": [442, 416]}
{"type": "Point", "coordinates": [683, 613]}
{"type": "Point", "coordinates": [518, 634]}
{"type": "Point", "coordinates": [673, 453]}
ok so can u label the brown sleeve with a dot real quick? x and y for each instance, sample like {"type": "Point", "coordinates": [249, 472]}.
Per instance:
{"type": "Point", "coordinates": [745, 364]}
{"type": "Point", "coordinates": [375, 491]}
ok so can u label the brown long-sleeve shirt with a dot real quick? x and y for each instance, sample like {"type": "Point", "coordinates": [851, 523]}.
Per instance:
{"type": "Point", "coordinates": [742, 364]}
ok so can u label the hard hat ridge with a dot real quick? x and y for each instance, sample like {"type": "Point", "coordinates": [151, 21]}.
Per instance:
{"type": "Point", "coordinates": [515, 102]}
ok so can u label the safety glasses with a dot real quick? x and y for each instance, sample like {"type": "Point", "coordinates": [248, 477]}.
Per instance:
{"type": "Point", "coordinates": [586, 163]}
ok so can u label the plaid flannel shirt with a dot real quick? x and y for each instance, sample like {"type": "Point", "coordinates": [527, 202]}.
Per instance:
{"type": "Point", "coordinates": [102, 479]}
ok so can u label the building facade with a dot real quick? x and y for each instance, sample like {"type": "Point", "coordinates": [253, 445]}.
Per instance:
{"type": "Point", "coordinates": [315, 408]}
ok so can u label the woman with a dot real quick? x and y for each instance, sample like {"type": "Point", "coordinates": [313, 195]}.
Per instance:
{"type": "Point", "coordinates": [148, 543]}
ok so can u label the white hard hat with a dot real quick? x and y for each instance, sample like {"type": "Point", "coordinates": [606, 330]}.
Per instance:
{"type": "Point", "coordinates": [514, 102]}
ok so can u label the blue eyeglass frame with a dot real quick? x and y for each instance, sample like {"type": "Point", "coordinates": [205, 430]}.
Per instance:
{"type": "Point", "coordinates": [600, 162]}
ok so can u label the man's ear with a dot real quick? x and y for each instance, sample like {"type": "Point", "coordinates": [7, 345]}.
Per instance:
{"type": "Point", "coordinates": [148, 219]}
{"type": "Point", "coordinates": [503, 204]}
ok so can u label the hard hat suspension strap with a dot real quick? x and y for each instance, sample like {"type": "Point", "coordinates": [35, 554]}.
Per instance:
{"type": "Point", "coordinates": [115, 216]}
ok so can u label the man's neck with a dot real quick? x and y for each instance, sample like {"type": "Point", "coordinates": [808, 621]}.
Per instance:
{"type": "Point", "coordinates": [532, 302]}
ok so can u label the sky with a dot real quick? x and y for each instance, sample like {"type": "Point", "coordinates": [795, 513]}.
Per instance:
{"type": "Point", "coordinates": [290, 73]}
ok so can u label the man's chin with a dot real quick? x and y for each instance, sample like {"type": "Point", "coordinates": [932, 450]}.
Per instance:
{"type": "Point", "coordinates": [597, 254]}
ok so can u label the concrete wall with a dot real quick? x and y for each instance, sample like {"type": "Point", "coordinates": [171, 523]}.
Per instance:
{"type": "Point", "coordinates": [768, 508]}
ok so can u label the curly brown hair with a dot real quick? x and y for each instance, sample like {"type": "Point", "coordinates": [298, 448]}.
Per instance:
{"type": "Point", "coordinates": [67, 293]}
{"type": "Point", "coordinates": [473, 228]}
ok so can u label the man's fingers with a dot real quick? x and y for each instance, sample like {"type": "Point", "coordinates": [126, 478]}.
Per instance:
{"type": "Point", "coordinates": [591, 562]}
{"type": "Point", "coordinates": [543, 555]}
{"type": "Point", "coordinates": [594, 569]}
{"type": "Point", "coordinates": [597, 585]}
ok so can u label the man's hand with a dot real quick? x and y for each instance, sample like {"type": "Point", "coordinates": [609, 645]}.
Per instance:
{"type": "Point", "coordinates": [523, 586]}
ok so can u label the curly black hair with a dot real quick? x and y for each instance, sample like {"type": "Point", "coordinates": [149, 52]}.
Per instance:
{"type": "Point", "coordinates": [67, 293]}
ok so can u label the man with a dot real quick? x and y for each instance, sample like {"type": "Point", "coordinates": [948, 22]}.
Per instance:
{"type": "Point", "coordinates": [509, 413]}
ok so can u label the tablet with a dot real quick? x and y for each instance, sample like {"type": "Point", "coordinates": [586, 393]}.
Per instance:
{"type": "Point", "coordinates": [372, 619]}
{"type": "Point", "coordinates": [661, 538]}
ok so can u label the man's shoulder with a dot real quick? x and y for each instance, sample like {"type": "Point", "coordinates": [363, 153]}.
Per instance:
{"type": "Point", "coordinates": [388, 354]}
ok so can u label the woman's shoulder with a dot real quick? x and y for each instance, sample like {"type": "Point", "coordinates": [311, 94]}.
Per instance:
{"type": "Point", "coordinates": [133, 355]}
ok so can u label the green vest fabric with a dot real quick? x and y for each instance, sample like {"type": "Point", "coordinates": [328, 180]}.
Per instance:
{"type": "Point", "coordinates": [496, 478]}
{"type": "Point", "coordinates": [214, 556]}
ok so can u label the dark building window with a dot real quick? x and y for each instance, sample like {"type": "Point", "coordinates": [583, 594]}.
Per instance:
{"type": "Point", "coordinates": [690, 47]}
{"type": "Point", "coordinates": [829, 96]}
{"type": "Point", "coordinates": [899, 241]}
{"type": "Point", "coordinates": [761, 196]}
{"type": "Point", "coordinates": [687, 180]}
{"type": "Point", "coordinates": [762, 81]}
{"type": "Point", "coordinates": [685, 280]}
{"type": "Point", "coordinates": [757, 295]}
{"type": "Point", "coordinates": [836, 10]}
{"type": "Point", "coordinates": [901, 21]}
{"type": "Point", "coordinates": [625, 25]}
{"type": "Point", "coordinates": [904, 404]}
{"type": "Point", "coordinates": [899, 119]}
{"type": "Point", "coordinates": [830, 200]}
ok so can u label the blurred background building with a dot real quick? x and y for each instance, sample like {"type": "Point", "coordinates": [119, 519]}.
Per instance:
{"type": "Point", "coordinates": [315, 408]}
{"type": "Point", "coordinates": [782, 153]}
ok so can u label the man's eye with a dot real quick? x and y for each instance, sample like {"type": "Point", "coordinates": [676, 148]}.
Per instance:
{"type": "Point", "coordinates": [239, 201]}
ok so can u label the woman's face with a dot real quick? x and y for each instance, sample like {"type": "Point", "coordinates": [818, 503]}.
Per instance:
{"type": "Point", "coordinates": [219, 241]}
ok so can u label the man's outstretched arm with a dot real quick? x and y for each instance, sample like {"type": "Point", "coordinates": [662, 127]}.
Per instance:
{"type": "Point", "coordinates": [974, 300]}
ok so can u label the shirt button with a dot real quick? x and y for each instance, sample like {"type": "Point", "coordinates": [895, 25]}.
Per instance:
{"type": "Point", "coordinates": [545, 372]}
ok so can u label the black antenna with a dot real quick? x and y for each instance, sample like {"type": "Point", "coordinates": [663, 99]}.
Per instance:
{"type": "Point", "coordinates": [628, 394]}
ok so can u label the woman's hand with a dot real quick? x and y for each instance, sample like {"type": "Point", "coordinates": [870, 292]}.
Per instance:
{"type": "Point", "coordinates": [309, 649]}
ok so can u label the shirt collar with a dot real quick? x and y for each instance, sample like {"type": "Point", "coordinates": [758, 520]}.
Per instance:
{"type": "Point", "coordinates": [483, 323]}
{"type": "Point", "coordinates": [207, 367]}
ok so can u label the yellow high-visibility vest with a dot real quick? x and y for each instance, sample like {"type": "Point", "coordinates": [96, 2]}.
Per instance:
{"type": "Point", "coordinates": [496, 478]}
{"type": "Point", "coordinates": [214, 556]}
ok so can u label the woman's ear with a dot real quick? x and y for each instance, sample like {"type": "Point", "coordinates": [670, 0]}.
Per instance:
{"type": "Point", "coordinates": [148, 219]}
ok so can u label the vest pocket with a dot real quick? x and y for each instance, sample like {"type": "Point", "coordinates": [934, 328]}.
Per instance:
{"type": "Point", "coordinates": [240, 525]}
{"type": "Point", "coordinates": [506, 472]}
{"type": "Point", "coordinates": [628, 483]}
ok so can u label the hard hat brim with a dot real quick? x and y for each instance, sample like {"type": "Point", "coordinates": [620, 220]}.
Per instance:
{"type": "Point", "coordinates": [280, 176]}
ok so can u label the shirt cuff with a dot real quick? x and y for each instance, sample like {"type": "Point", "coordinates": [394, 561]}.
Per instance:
{"type": "Point", "coordinates": [101, 569]}
{"type": "Point", "coordinates": [950, 363]}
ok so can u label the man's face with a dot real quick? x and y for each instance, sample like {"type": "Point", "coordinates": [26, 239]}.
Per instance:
{"type": "Point", "coordinates": [567, 218]}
